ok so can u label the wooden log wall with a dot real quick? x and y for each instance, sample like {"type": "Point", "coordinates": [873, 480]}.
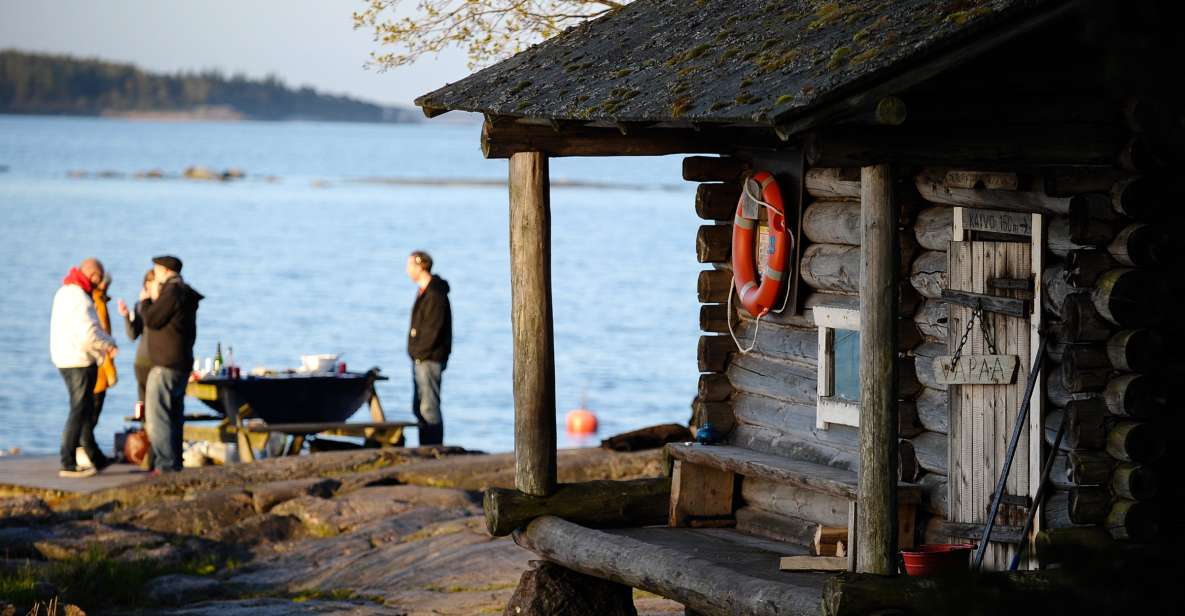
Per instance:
{"type": "Point", "coordinates": [1109, 287]}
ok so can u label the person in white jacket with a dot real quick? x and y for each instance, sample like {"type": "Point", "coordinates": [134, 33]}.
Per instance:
{"type": "Point", "coordinates": [77, 344]}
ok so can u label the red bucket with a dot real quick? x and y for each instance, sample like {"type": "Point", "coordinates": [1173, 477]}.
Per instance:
{"type": "Point", "coordinates": [937, 559]}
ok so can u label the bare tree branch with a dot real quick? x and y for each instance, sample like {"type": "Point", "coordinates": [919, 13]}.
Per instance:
{"type": "Point", "coordinates": [487, 30]}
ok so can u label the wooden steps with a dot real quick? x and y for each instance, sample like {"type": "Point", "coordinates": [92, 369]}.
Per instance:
{"type": "Point", "coordinates": [711, 571]}
{"type": "Point", "coordinates": [806, 475]}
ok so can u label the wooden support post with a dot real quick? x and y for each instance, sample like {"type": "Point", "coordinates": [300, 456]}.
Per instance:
{"type": "Point", "coordinates": [534, 350]}
{"type": "Point", "coordinates": [876, 527]}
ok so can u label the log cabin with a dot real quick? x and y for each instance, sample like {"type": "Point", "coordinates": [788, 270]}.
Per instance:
{"type": "Point", "coordinates": [977, 200]}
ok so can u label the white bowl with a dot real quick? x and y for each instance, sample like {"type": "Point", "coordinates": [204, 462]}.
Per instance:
{"type": "Point", "coordinates": [318, 363]}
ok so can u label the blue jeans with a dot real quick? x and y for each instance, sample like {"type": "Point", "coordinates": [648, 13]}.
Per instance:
{"type": "Point", "coordinates": [79, 430]}
{"type": "Point", "coordinates": [164, 416]}
{"type": "Point", "coordinates": [425, 400]}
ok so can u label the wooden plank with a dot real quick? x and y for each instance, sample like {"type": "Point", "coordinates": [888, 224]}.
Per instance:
{"type": "Point", "coordinates": [976, 370]}
{"type": "Point", "coordinates": [699, 492]}
{"type": "Point", "coordinates": [826, 537]}
{"type": "Point", "coordinates": [1037, 410]}
{"type": "Point", "coordinates": [314, 428]}
{"type": "Point", "coordinates": [879, 278]}
{"type": "Point", "coordinates": [531, 312]}
{"type": "Point", "coordinates": [813, 563]}
{"type": "Point", "coordinates": [755, 464]}
{"type": "Point", "coordinates": [1010, 306]}
{"type": "Point", "coordinates": [996, 221]}
{"type": "Point", "coordinates": [774, 526]}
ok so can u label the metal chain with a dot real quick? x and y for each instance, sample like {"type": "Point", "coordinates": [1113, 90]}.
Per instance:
{"type": "Point", "coordinates": [977, 313]}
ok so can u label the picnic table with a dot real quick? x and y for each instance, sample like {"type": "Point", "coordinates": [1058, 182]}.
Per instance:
{"type": "Point", "coordinates": [296, 404]}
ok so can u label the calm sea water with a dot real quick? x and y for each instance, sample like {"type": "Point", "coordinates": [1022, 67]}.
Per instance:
{"type": "Point", "coordinates": [312, 262]}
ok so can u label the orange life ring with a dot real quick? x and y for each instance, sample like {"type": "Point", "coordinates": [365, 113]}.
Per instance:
{"type": "Point", "coordinates": [760, 299]}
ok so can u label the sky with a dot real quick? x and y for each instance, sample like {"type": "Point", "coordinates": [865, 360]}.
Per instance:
{"type": "Point", "coordinates": [305, 42]}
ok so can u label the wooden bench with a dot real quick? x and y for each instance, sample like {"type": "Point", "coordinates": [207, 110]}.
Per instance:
{"type": "Point", "coordinates": [704, 484]}
{"type": "Point", "coordinates": [711, 571]}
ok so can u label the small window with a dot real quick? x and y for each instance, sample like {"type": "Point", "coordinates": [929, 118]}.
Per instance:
{"type": "Point", "coordinates": [838, 399]}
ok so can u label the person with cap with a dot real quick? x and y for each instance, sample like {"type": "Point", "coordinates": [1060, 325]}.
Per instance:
{"type": "Point", "coordinates": [77, 345]}
{"type": "Point", "coordinates": [170, 318]}
{"type": "Point", "coordinates": [429, 343]}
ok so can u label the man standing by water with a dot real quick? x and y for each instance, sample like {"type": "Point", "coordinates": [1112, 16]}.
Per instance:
{"type": "Point", "coordinates": [77, 345]}
{"type": "Point", "coordinates": [429, 342]}
{"type": "Point", "coordinates": [170, 318]}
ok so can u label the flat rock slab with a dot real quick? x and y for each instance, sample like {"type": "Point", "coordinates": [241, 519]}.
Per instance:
{"type": "Point", "coordinates": [39, 474]}
{"type": "Point", "coordinates": [331, 516]}
{"type": "Point", "coordinates": [281, 607]}
{"type": "Point", "coordinates": [414, 561]}
{"type": "Point", "coordinates": [72, 539]}
{"type": "Point", "coordinates": [180, 589]}
{"type": "Point", "coordinates": [23, 507]}
{"type": "Point", "coordinates": [205, 515]}
{"type": "Point", "coordinates": [268, 495]}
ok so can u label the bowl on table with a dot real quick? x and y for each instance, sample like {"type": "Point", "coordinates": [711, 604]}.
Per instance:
{"type": "Point", "coordinates": [318, 363]}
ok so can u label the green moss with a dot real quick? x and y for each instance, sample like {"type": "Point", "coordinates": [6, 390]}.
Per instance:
{"type": "Point", "coordinates": [864, 56]}
{"type": "Point", "coordinates": [451, 588]}
{"type": "Point", "coordinates": [961, 17]}
{"type": "Point", "coordinates": [746, 83]}
{"type": "Point", "coordinates": [689, 54]}
{"type": "Point", "coordinates": [323, 530]}
{"type": "Point", "coordinates": [621, 73]}
{"type": "Point", "coordinates": [339, 594]}
{"type": "Point", "coordinates": [744, 98]}
{"type": "Point", "coordinates": [680, 106]}
{"type": "Point", "coordinates": [831, 12]}
{"type": "Point", "coordinates": [784, 99]}
{"type": "Point", "coordinates": [718, 105]}
{"type": "Point", "coordinates": [519, 87]}
{"type": "Point", "coordinates": [838, 56]}
{"type": "Point", "coordinates": [772, 61]}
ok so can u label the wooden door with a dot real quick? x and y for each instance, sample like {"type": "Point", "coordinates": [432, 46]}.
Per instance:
{"type": "Point", "coordinates": [982, 416]}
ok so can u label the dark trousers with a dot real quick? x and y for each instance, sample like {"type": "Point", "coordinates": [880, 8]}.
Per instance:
{"type": "Point", "coordinates": [425, 401]}
{"type": "Point", "coordinates": [80, 423]}
{"type": "Point", "coordinates": [141, 379]}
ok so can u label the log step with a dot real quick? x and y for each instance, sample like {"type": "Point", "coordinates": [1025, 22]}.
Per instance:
{"type": "Point", "coordinates": [711, 571]}
{"type": "Point", "coordinates": [806, 475]}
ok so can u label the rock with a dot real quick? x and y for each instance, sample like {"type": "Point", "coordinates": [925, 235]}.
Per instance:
{"type": "Point", "coordinates": [180, 589]}
{"type": "Point", "coordinates": [648, 438]}
{"type": "Point", "coordinates": [206, 514]}
{"type": "Point", "coordinates": [268, 495]}
{"type": "Point", "coordinates": [548, 588]}
{"type": "Point", "coordinates": [45, 591]}
{"type": "Point", "coordinates": [324, 517]}
{"type": "Point", "coordinates": [197, 172]}
{"type": "Point", "coordinates": [263, 528]}
{"type": "Point", "coordinates": [79, 538]}
{"type": "Point", "coordinates": [19, 541]}
{"type": "Point", "coordinates": [23, 508]}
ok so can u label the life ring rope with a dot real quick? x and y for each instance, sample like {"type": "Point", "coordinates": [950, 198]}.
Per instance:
{"type": "Point", "coordinates": [777, 225]}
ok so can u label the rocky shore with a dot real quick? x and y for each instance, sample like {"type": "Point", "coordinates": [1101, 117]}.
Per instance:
{"type": "Point", "coordinates": [392, 531]}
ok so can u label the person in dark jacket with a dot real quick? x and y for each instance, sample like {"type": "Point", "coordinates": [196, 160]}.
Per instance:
{"type": "Point", "coordinates": [170, 318]}
{"type": "Point", "coordinates": [429, 343]}
{"type": "Point", "coordinates": [133, 325]}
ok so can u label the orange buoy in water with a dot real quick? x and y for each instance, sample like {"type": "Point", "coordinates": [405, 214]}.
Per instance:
{"type": "Point", "coordinates": [581, 421]}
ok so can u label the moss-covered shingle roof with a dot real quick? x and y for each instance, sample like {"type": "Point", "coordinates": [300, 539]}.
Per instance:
{"type": "Point", "coordinates": [753, 62]}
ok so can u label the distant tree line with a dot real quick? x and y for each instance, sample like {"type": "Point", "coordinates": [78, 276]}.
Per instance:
{"type": "Point", "coordinates": [51, 84]}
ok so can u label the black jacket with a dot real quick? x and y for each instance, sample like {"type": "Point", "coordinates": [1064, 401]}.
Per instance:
{"type": "Point", "coordinates": [171, 323]}
{"type": "Point", "coordinates": [431, 334]}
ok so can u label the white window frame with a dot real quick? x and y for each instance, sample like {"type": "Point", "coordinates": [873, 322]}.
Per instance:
{"type": "Point", "coordinates": [828, 409]}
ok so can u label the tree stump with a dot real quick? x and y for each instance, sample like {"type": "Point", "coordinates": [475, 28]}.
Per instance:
{"type": "Point", "coordinates": [547, 588]}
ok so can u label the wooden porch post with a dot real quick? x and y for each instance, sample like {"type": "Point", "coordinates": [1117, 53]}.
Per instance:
{"type": "Point", "coordinates": [534, 349]}
{"type": "Point", "coordinates": [876, 512]}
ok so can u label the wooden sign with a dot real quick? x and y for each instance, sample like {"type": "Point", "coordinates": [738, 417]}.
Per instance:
{"type": "Point", "coordinates": [976, 370]}
{"type": "Point", "coordinates": [997, 221]}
